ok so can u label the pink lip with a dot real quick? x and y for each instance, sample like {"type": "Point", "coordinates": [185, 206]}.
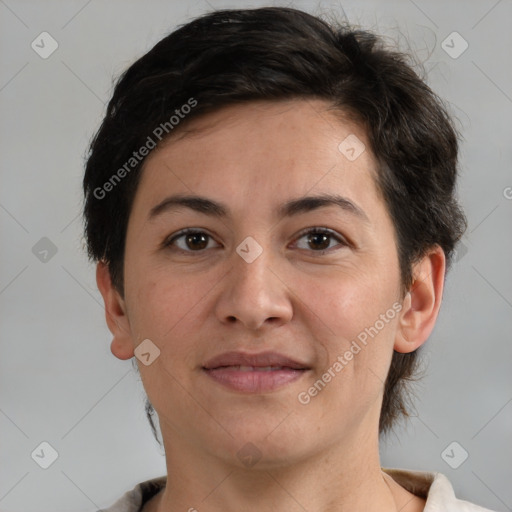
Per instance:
{"type": "Point", "coordinates": [262, 372]}
{"type": "Point", "coordinates": [262, 359]}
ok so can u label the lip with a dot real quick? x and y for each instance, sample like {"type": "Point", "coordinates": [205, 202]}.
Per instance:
{"type": "Point", "coordinates": [261, 360]}
{"type": "Point", "coordinates": [254, 373]}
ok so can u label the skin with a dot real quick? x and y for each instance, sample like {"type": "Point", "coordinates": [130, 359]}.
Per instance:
{"type": "Point", "coordinates": [292, 299]}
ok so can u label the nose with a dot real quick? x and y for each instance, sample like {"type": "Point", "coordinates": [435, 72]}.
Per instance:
{"type": "Point", "coordinates": [254, 294]}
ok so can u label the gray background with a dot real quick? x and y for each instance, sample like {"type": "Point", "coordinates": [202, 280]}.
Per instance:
{"type": "Point", "coordinates": [58, 380]}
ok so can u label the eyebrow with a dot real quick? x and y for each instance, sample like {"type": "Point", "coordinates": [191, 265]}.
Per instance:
{"type": "Point", "coordinates": [288, 209]}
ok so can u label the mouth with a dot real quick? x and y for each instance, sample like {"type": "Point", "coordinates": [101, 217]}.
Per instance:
{"type": "Point", "coordinates": [254, 373]}
{"type": "Point", "coordinates": [240, 368]}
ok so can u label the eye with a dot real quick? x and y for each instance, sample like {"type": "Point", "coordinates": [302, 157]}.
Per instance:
{"type": "Point", "coordinates": [320, 239]}
{"type": "Point", "coordinates": [190, 240]}
{"type": "Point", "coordinates": [193, 240]}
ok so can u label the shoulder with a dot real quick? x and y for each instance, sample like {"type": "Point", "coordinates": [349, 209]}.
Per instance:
{"type": "Point", "coordinates": [435, 488]}
{"type": "Point", "coordinates": [136, 498]}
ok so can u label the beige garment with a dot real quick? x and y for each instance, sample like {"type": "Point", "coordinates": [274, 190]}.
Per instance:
{"type": "Point", "coordinates": [434, 487]}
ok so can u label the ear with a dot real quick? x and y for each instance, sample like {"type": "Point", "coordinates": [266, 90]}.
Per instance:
{"type": "Point", "coordinates": [421, 304]}
{"type": "Point", "coordinates": [115, 314]}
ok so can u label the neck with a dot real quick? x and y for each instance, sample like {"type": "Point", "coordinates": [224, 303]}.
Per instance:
{"type": "Point", "coordinates": [344, 478]}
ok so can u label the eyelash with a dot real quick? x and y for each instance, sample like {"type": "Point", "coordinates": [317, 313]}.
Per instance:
{"type": "Point", "coordinates": [314, 230]}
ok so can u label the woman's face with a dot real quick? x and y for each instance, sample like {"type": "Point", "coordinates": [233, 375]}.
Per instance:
{"type": "Point", "coordinates": [252, 281]}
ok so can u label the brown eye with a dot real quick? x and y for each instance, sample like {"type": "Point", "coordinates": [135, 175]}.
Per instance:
{"type": "Point", "coordinates": [196, 241]}
{"type": "Point", "coordinates": [320, 239]}
{"type": "Point", "coordinates": [190, 241]}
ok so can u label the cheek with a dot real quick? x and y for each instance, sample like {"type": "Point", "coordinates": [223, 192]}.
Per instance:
{"type": "Point", "coordinates": [158, 305]}
{"type": "Point", "coordinates": [358, 352]}
{"type": "Point", "coordinates": [358, 313]}
{"type": "Point", "coordinates": [170, 310]}
{"type": "Point", "coordinates": [344, 302]}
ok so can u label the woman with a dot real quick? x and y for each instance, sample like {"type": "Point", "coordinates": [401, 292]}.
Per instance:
{"type": "Point", "coordinates": [270, 201]}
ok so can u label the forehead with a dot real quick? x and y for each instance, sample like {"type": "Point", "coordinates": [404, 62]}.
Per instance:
{"type": "Point", "coordinates": [256, 152]}
{"type": "Point", "coordinates": [292, 120]}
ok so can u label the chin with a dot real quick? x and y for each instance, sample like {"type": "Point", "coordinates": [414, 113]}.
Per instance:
{"type": "Point", "coordinates": [265, 442]}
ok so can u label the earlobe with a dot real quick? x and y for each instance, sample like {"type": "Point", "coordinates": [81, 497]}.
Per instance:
{"type": "Point", "coordinates": [421, 304]}
{"type": "Point", "coordinates": [115, 314]}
